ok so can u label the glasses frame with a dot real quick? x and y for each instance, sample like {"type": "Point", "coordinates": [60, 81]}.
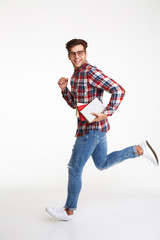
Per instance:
{"type": "Point", "coordinates": [79, 53]}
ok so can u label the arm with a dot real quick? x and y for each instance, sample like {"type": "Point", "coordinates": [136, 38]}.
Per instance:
{"type": "Point", "coordinates": [63, 82]}
{"type": "Point", "coordinates": [99, 80]}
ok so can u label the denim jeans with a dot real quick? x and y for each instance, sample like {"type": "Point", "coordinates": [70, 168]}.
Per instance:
{"type": "Point", "coordinates": [93, 144]}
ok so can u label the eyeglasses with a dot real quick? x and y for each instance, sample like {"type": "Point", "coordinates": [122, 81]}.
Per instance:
{"type": "Point", "coordinates": [73, 54]}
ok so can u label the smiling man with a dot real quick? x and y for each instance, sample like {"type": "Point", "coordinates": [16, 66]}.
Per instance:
{"type": "Point", "coordinates": [88, 83]}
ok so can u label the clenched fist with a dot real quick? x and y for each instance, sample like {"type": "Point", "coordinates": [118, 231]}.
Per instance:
{"type": "Point", "coordinates": [63, 83]}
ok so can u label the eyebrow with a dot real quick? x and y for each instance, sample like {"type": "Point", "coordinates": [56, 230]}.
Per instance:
{"type": "Point", "coordinates": [78, 51]}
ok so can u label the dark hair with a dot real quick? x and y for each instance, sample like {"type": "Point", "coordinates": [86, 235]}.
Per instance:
{"type": "Point", "coordinates": [75, 42]}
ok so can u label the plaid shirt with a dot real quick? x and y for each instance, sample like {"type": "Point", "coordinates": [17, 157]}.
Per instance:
{"type": "Point", "coordinates": [87, 83]}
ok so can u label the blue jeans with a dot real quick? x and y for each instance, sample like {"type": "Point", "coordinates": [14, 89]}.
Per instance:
{"type": "Point", "coordinates": [93, 144]}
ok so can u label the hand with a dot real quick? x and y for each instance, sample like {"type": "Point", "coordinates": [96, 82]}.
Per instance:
{"type": "Point", "coordinates": [63, 83]}
{"type": "Point", "coordinates": [99, 117]}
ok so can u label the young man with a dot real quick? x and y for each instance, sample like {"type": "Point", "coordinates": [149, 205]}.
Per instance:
{"type": "Point", "coordinates": [87, 83]}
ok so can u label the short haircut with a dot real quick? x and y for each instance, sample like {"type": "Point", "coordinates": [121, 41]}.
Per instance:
{"type": "Point", "coordinates": [75, 42]}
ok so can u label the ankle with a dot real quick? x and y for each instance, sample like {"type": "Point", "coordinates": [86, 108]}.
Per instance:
{"type": "Point", "coordinates": [139, 150]}
{"type": "Point", "coordinates": [69, 212]}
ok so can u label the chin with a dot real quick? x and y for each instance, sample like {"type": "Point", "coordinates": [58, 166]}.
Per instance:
{"type": "Point", "coordinates": [78, 65]}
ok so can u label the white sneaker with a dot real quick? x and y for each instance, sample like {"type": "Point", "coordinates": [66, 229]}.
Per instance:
{"type": "Point", "coordinates": [59, 214]}
{"type": "Point", "coordinates": [149, 153]}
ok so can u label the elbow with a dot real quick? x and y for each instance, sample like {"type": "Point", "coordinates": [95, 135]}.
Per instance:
{"type": "Point", "coordinates": [123, 92]}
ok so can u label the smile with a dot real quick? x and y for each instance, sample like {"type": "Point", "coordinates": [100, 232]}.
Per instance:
{"type": "Point", "coordinates": [77, 61]}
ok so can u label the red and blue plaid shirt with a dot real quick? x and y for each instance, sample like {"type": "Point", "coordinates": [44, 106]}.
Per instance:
{"type": "Point", "coordinates": [87, 83]}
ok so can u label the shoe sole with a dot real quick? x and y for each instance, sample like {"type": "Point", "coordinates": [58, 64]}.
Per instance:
{"type": "Point", "coordinates": [154, 153]}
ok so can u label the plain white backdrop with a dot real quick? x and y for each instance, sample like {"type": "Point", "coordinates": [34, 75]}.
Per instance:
{"type": "Point", "coordinates": [37, 127]}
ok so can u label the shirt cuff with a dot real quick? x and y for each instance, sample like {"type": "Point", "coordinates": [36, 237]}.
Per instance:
{"type": "Point", "coordinates": [108, 113]}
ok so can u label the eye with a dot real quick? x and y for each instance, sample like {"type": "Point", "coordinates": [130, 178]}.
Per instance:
{"type": "Point", "coordinates": [80, 53]}
{"type": "Point", "coordinates": [72, 54]}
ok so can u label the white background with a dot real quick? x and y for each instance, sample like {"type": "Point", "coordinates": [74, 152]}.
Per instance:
{"type": "Point", "coordinates": [37, 127]}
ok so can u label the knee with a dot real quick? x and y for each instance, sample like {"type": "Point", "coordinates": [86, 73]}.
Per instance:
{"type": "Point", "coordinates": [74, 172]}
{"type": "Point", "coordinates": [99, 167]}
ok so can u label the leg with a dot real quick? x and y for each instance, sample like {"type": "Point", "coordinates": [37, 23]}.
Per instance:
{"type": "Point", "coordinates": [81, 153]}
{"type": "Point", "coordinates": [104, 161]}
{"type": "Point", "coordinates": [83, 149]}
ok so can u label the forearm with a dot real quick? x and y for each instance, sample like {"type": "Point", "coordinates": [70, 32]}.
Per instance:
{"type": "Point", "coordinates": [69, 98]}
{"type": "Point", "coordinates": [115, 100]}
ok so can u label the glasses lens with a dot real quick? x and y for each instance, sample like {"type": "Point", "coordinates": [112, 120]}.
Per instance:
{"type": "Point", "coordinates": [80, 53]}
{"type": "Point", "coordinates": [73, 54]}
